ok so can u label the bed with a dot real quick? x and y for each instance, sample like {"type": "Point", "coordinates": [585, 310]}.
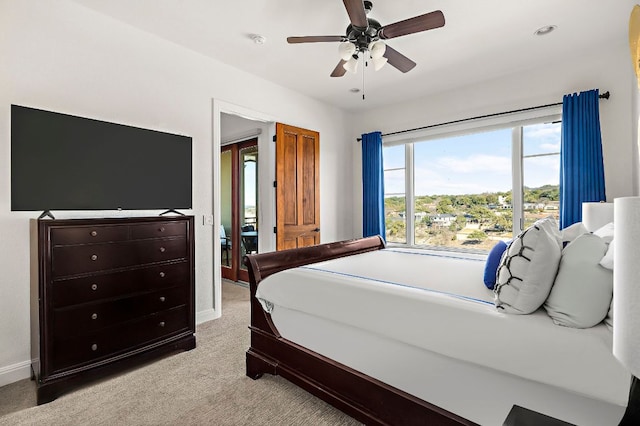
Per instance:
{"type": "Point", "coordinates": [380, 342]}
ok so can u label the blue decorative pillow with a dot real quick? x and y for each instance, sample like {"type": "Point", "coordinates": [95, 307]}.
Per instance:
{"type": "Point", "coordinates": [493, 261]}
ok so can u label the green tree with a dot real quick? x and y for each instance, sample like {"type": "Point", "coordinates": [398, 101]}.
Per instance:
{"type": "Point", "coordinates": [491, 198]}
{"type": "Point", "coordinates": [444, 206]}
{"type": "Point", "coordinates": [503, 222]}
{"type": "Point", "coordinates": [396, 229]}
{"type": "Point", "coordinates": [478, 200]}
{"type": "Point", "coordinates": [394, 204]}
{"type": "Point", "coordinates": [481, 213]}
{"type": "Point", "coordinates": [477, 235]}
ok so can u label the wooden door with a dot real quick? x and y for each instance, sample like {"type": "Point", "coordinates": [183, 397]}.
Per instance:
{"type": "Point", "coordinates": [297, 187]}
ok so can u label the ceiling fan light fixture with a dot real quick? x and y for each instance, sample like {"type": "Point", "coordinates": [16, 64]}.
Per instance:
{"type": "Point", "coordinates": [377, 49]}
{"type": "Point", "coordinates": [351, 65]}
{"type": "Point", "coordinates": [346, 50]}
{"type": "Point", "coordinates": [378, 63]}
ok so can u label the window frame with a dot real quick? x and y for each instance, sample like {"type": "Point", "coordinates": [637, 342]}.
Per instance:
{"type": "Point", "coordinates": [515, 121]}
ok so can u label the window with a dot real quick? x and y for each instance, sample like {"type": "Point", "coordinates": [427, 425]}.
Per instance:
{"type": "Point", "coordinates": [466, 191]}
{"type": "Point", "coordinates": [541, 171]}
{"type": "Point", "coordinates": [394, 194]}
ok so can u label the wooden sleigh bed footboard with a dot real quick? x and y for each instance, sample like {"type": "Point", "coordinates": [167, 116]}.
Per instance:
{"type": "Point", "coordinates": [364, 398]}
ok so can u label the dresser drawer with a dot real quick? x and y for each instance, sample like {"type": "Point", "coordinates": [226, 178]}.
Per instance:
{"type": "Point", "coordinates": [112, 341]}
{"type": "Point", "coordinates": [74, 260]}
{"type": "Point", "coordinates": [88, 234]}
{"type": "Point", "coordinates": [91, 317]}
{"type": "Point", "coordinates": [158, 230]}
{"type": "Point", "coordinates": [73, 291]}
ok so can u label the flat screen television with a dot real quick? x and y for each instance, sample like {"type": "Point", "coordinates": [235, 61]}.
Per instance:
{"type": "Point", "coordinates": [65, 162]}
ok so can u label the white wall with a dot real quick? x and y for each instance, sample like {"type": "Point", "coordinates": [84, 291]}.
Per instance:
{"type": "Point", "coordinates": [608, 71]}
{"type": "Point", "coordinates": [635, 119]}
{"type": "Point", "coordinates": [63, 57]}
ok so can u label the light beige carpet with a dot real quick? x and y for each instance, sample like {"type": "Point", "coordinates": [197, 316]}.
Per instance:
{"type": "Point", "coordinates": [205, 386]}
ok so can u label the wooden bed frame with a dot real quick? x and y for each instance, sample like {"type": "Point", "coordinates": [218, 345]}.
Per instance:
{"type": "Point", "coordinates": [364, 398]}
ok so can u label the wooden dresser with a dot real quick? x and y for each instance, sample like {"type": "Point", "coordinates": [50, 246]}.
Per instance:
{"type": "Point", "coordinates": [107, 294]}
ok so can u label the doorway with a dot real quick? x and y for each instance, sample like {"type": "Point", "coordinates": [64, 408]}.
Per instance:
{"type": "Point", "coordinates": [239, 205]}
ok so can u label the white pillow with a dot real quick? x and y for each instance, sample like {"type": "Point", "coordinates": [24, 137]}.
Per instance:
{"type": "Point", "coordinates": [528, 268]}
{"type": "Point", "coordinates": [582, 291]}
{"type": "Point", "coordinates": [608, 320]}
{"type": "Point", "coordinates": [550, 226]}
{"type": "Point", "coordinates": [607, 259]}
{"type": "Point", "coordinates": [607, 262]}
{"type": "Point", "coordinates": [605, 232]}
{"type": "Point", "coordinates": [572, 232]}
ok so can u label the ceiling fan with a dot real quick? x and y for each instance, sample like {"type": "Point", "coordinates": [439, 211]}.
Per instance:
{"type": "Point", "coordinates": [366, 34]}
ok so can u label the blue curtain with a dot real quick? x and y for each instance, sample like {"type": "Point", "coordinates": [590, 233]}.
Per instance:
{"type": "Point", "coordinates": [372, 185]}
{"type": "Point", "coordinates": [581, 167]}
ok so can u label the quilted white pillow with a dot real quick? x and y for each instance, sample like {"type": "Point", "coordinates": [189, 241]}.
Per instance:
{"type": "Point", "coordinates": [528, 268]}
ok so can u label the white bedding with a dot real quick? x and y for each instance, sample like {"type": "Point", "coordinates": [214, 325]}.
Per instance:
{"type": "Point", "coordinates": [437, 302]}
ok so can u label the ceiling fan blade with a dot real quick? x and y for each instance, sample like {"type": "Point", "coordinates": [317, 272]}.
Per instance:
{"type": "Point", "coordinates": [314, 39]}
{"type": "Point", "coordinates": [416, 24]}
{"type": "Point", "coordinates": [339, 70]}
{"type": "Point", "coordinates": [398, 60]}
{"type": "Point", "coordinates": [357, 15]}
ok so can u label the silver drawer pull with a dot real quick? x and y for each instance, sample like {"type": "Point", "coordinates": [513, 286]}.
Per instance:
{"type": "Point", "coordinates": [93, 233]}
{"type": "Point", "coordinates": [161, 229]}
{"type": "Point", "coordinates": [94, 347]}
{"type": "Point", "coordinates": [162, 298]}
{"type": "Point", "coordinates": [94, 287]}
{"type": "Point", "coordinates": [94, 316]}
{"type": "Point", "coordinates": [161, 324]}
{"type": "Point", "coordinates": [162, 274]}
{"type": "Point", "coordinates": [94, 257]}
{"type": "Point", "coordinates": [162, 249]}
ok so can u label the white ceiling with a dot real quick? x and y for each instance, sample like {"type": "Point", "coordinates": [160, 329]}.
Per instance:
{"type": "Point", "coordinates": [481, 40]}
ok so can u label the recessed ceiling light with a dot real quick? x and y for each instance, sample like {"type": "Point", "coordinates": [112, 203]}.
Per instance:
{"type": "Point", "coordinates": [545, 30]}
{"type": "Point", "coordinates": [354, 90]}
{"type": "Point", "coordinates": [258, 39]}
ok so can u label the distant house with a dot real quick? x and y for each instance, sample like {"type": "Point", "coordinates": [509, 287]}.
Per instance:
{"type": "Point", "coordinates": [541, 206]}
{"type": "Point", "coordinates": [502, 202]}
{"type": "Point", "coordinates": [420, 215]}
{"type": "Point", "coordinates": [442, 220]}
{"type": "Point", "coordinates": [533, 206]}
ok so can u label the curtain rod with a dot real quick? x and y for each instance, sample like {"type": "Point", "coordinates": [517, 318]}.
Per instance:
{"type": "Point", "coordinates": [604, 95]}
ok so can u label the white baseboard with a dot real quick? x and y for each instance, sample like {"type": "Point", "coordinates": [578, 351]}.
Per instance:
{"type": "Point", "coordinates": [208, 315]}
{"type": "Point", "coordinates": [15, 372]}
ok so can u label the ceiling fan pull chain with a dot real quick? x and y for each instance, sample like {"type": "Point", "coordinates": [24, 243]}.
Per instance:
{"type": "Point", "coordinates": [365, 65]}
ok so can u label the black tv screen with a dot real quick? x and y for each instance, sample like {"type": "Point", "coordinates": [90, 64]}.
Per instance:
{"type": "Point", "coordinates": [65, 162]}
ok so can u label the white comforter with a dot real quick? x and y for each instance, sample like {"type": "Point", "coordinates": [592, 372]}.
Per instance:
{"type": "Point", "coordinates": [438, 302]}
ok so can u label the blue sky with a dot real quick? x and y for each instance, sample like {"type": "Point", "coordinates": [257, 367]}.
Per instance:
{"type": "Point", "coordinates": [476, 163]}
